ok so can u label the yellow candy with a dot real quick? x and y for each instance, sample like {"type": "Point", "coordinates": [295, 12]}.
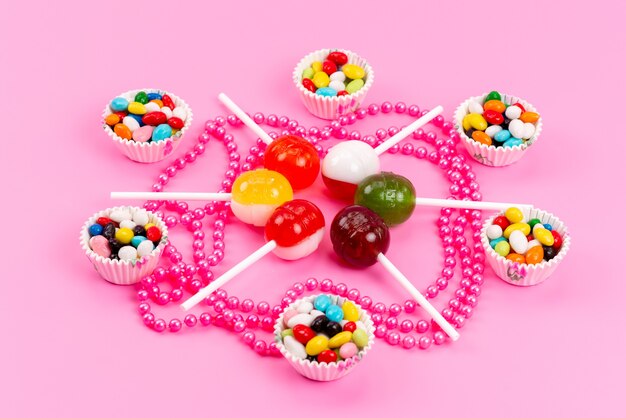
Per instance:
{"type": "Point", "coordinates": [321, 79]}
{"type": "Point", "coordinates": [544, 236]}
{"type": "Point", "coordinates": [353, 71]}
{"type": "Point", "coordinates": [262, 186]}
{"type": "Point", "coordinates": [466, 123]}
{"type": "Point", "coordinates": [350, 312]}
{"type": "Point", "coordinates": [514, 215]}
{"type": "Point", "coordinates": [477, 121]}
{"type": "Point", "coordinates": [339, 339]}
{"type": "Point", "coordinates": [148, 225]}
{"type": "Point", "coordinates": [316, 345]}
{"type": "Point", "coordinates": [317, 66]}
{"type": "Point", "coordinates": [124, 235]}
{"type": "Point", "coordinates": [522, 226]}
{"type": "Point", "coordinates": [136, 108]}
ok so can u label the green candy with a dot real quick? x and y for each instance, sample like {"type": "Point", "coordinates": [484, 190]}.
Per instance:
{"type": "Point", "coordinates": [390, 195]}
{"type": "Point", "coordinates": [503, 248]}
{"type": "Point", "coordinates": [308, 73]}
{"type": "Point", "coordinates": [286, 333]}
{"type": "Point", "coordinates": [359, 337]}
{"type": "Point", "coordinates": [141, 97]}
{"type": "Point", "coordinates": [355, 85]}
{"type": "Point", "coordinates": [494, 95]}
{"type": "Point", "coordinates": [532, 223]}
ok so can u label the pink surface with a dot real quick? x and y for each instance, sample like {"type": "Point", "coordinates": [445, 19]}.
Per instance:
{"type": "Point", "coordinates": [73, 345]}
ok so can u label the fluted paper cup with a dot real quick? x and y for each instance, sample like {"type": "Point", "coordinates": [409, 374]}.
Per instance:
{"type": "Point", "coordinates": [526, 274]}
{"type": "Point", "coordinates": [325, 372]}
{"type": "Point", "coordinates": [121, 271]}
{"type": "Point", "coordinates": [332, 107]}
{"type": "Point", "coordinates": [490, 155]}
{"type": "Point", "coordinates": [148, 152]}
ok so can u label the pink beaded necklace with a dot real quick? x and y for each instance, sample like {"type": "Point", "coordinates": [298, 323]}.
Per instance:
{"type": "Point", "coordinates": [391, 324]}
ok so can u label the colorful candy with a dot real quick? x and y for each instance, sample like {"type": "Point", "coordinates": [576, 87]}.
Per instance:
{"type": "Point", "coordinates": [334, 76]}
{"type": "Point", "coordinates": [390, 195]}
{"type": "Point", "coordinates": [346, 165]}
{"type": "Point", "coordinates": [295, 158]}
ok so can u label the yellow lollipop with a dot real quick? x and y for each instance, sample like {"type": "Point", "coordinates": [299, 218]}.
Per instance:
{"type": "Point", "coordinates": [256, 194]}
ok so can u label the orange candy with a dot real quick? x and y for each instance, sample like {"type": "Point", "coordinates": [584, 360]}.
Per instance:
{"type": "Point", "coordinates": [122, 131]}
{"type": "Point", "coordinates": [516, 258]}
{"type": "Point", "coordinates": [495, 105]}
{"type": "Point", "coordinates": [529, 117]}
{"type": "Point", "coordinates": [534, 255]}
{"type": "Point", "coordinates": [480, 136]}
{"type": "Point", "coordinates": [157, 101]}
{"type": "Point", "coordinates": [112, 119]}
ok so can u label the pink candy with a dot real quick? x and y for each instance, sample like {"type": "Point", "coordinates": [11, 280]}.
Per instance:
{"type": "Point", "coordinates": [143, 134]}
{"type": "Point", "coordinates": [100, 246]}
{"type": "Point", "coordinates": [348, 350]}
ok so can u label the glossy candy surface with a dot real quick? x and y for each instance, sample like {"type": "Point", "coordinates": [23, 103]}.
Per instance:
{"type": "Point", "coordinates": [390, 195]}
{"type": "Point", "coordinates": [346, 165]}
{"type": "Point", "coordinates": [295, 158]}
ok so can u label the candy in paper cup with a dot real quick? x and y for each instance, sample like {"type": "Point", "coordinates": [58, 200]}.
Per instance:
{"type": "Point", "coordinates": [148, 152]}
{"type": "Point", "coordinates": [526, 274]}
{"type": "Point", "coordinates": [490, 155]}
{"type": "Point", "coordinates": [121, 271]}
{"type": "Point", "coordinates": [324, 372]}
{"type": "Point", "coordinates": [332, 107]}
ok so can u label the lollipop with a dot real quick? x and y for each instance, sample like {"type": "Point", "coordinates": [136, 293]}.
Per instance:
{"type": "Point", "coordinates": [291, 155]}
{"type": "Point", "coordinates": [255, 195]}
{"type": "Point", "coordinates": [348, 163]}
{"type": "Point", "coordinates": [392, 197]}
{"type": "Point", "coordinates": [294, 230]}
{"type": "Point", "coordinates": [360, 237]}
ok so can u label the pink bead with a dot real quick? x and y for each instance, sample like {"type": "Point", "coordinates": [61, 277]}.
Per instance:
{"type": "Point", "coordinates": [408, 342]}
{"type": "Point", "coordinates": [381, 331]}
{"type": "Point", "coordinates": [393, 338]}
{"type": "Point", "coordinates": [191, 320]}
{"type": "Point", "coordinates": [409, 306]}
{"type": "Point", "coordinates": [205, 319]}
{"type": "Point", "coordinates": [422, 326]}
{"type": "Point", "coordinates": [391, 322]}
{"type": "Point", "coordinates": [365, 302]}
{"type": "Point", "coordinates": [406, 326]}
{"type": "Point", "coordinates": [424, 342]}
{"type": "Point", "coordinates": [159, 325]}
{"type": "Point", "coordinates": [395, 309]}
{"type": "Point", "coordinates": [175, 325]}
{"type": "Point", "coordinates": [439, 337]}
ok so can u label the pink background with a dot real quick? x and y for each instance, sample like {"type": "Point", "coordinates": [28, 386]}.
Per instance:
{"type": "Point", "coordinates": [73, 344]}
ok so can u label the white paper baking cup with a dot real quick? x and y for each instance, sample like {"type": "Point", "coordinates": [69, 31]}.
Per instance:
{"type": "Point", "coordinates": [490, 155]}
{"type": "Point", "coordinates": [526, 274]}
{"type": "Point", "coordinates": [332, 107]}
{"type": "Point", "coordinates": [148, 152]}
{"type": "Point", "coordinates": [325, 372]}
{"type": "Point", "coordinates": [119, 271]}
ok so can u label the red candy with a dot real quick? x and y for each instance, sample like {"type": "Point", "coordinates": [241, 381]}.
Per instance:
{"type": "Point", "coordinates": [176, 123]}
{"type": "Point", "coordinates": [329, 67]}
{"type": "Point", "coordinates": [338, 58]}
{"type": "Point", "coordinates": [303, 334]}
{"type": "Point", "coordinates": [520, 106]}
{"type": "Point", "coordinates": [167, 101]}
{"type": "Point", "coordinates": [154, 118]}
{"type": "Point", "coordinates": [292, 222]}
{"type": "Point", "coordinates": [327, 356]}
{"type": "Point", "coordinates": [342, 93]}
{"type": "Point", "coordinates": [493, 117]}
{"type": "Point", "coordinates": [103, 221]}
{"type": "Point", "coordinates": [121, 114]}
{"type": "Point", "coordinates": [153, 234]}
{"type": "Point", "coordinates": [295, 158]}
{"type": "Point", "coordinates": [558, 240]}
{"type": "Point", "coordinates": [349, 326]}
{"type": "Point", "coordinates": [308, 84]}
{"type": "Point", "coordinates": [502, 222]}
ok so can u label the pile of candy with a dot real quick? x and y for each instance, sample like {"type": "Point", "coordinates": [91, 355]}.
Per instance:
{"type": "Point", "coordinates": [495, 123]}
{"type": "Point", "coordinates": [149, 117]}
{"type": "Point", "coordinates": [124, 236]}
{"type": "Point", "coordinates": [334, 76]}
{"type": "Point", "coordinates": [523, 242]}
{"type": "Point", "coordinates": [324, 332]}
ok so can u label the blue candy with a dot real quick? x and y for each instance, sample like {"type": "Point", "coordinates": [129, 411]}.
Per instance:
{"type": "Point", "coordinates": [502, 136]}
{"type": "Point", "coordinates": [513, 142]}
{"type": "Point", "coordinates": [322, 302]}
{"type": "Point", "coordinates": [119, 104]}
{"type": "Point", "coordinates": [334, 313]}
{"type": "Point", "coordinates": [548, 227]}
{"type": "Point", "coordinates": [154, 96]}
{"type": "Point", "coordinates": [138, 118]}
{"type": "Point", "coordinates": [493, 242]}
{"type": "Point", "coordinates": [326, 91]}
{"type": "Point", "coordinates": [95, 229]}
{"type": "Point", "coordinates": [161, 132]}
{"type": "Point", "coordinates": [136, 240]}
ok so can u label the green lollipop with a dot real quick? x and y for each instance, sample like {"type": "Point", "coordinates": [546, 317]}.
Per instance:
{"type": "Point", "coordinates": [390, 195]}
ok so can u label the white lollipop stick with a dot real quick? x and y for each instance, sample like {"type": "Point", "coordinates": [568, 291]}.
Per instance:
{"type": "Point", "coordinates": [243, 116]}
{"type": "Point", "coordinates": [229, 275]}
{"type": "Point", "coordinates": [468, 204]}
{"type": "Point", "coordinates": [172, 196]}
{"type": "Point", "coordinates": [421, 300]}
{"type": "Point", "coordinates": [408, 130]}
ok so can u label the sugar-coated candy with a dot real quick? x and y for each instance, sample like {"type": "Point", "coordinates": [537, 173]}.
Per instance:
{"type": "Point", "coordinates": [300, 319]}
{"type": "Point", "coordinates": [529, 117]}
{"type": "Point", "coordinates": [143, 134]}
{"type": "Point", "coordinates": [316, 345]}
{"type": "Point", "coordinates": [495, 241]}
{"type": "Point", "coordinates": [286, 332]}
{"type": "Point", "coordinates": [338, 57]}
{"type": "Point", "coordinates": [327, 356]}
{"type": "Point", "coordinates": [303, 333]}
{"type": "Point", "coordinates": [390, 195]}
{"type": "Point", "coordinates": [512, 142]}
{"type": "Point", "coordinates": [308, 73]}
{"type": "Point", "coordinates": [168, 102]}
{"type": "Point", "coordinates": [127, 223]}
{"type": "Point", "coordinates": [334, 313]}
{"type": "Point", "coordinates": [308, 84]}
{"type": "Point", "coordinates": [140, 217]}
{"type": "Point", "coordinates": [353, 71]}
{"type": "Point", "coordinates": [305, 307]}
{"type": "Point", "coordinates": [112, 119]}
{"type": "Point", "coordinates": [502, 136]}
{"type": "Point", "coordinates": [124, 235]}
{"type": "Point", "coordinates": [294, 347]}
{"type": "Point", "coordinates": [120, 215]}
{"type": "Point", "coordinates": [355, 85]}
{"type": "Point", "coordinates": [348, 350]}
{"type": "Point", "coordinates": [152, 107]}
{"type": "Point", "coordinates": [544, 236]}
{"type": "Point", "coordinates": [154, 118]}
{"type": "Point", "coordinates": [127, 252]}
{"type": "Point", "coordinates": [136, 240]}
{"type": "Point", "coordinates": [477, 121]}
{"type": "Point", "coordinates": [108, 231]}
{"type": "Point", "coordinates": [95, 229]}
{"type": "Point", "coordinates": [153, 234]}
{"type": "Point", "coordinates": [534, 255]}
{"type": "Point", "coordinates": [161, 132]}
{"type": "Point", "coordinates": [322, 302]}
{"type": "Point", "coordinates": [493, 95]}
{"type": "Point", "coordinates": [332, 328]}
{"type": "Point", "coordinates": [139, 231]}
{"type": "Point", "coordinates": [326, 91]}
{"type": "Point", "coordinates": [142, 97]}
{"type": "Point", "coordinates": [346, 165]}
{"type": "Point", "coordinates": [475, 107]}
{"type": "Point", "coordinates": [493, 117]}
{"type": "Point", "coordinates": [558, 240]}
{"type": "Point", "coordinates": [321, 79]}
{"type": "Point", "coordinates": [103, 221]}
{"type": "Point", "coordinates": [350, 311]}
{"type": "Point", "coordinates": [494, 231]}
{"type": "Point", "coordinates": [495, 106]}
{"type": "Point", "coordinates": [349, 326]}
{"type": "Point", "coordinates": [518, 242]}
{"type": "Point", "coordinates": [514, 215]}
{"type": "Point", "coordinates": [503, 248]}
{"type": "Point", "coordinates": [513, 112]}
{"type": "Point", "coordinates": [330, 78]}
{"type": "Point", "coordinates": [100, 245]}
{"type": "Point", "coordinates": [522, 226]}
{"type": "Point", "coordinates": [549, 253]}
{"type": "Point", "coordinates": [122, 131]}
{"type": "Point", "coordinates": [516, 258]}
{"type": "Point", "coordinates": [319, 323]}
{"type": "Point", "coordinates": [360, 338]}
{"type": "Point", "coordinates": [493, 130]}
{"type": "Point", "coordinates": [340, 339]}
{"type": "Point", "coordinates": [119, 104]}
{"type": "Point", "coordinates": [481, 137]}
{"type": "Point", "coordinates": [329, 67]}
{"type": "Point", "coordinates": [501, 221]}
{"type": "Point", "coordinates": [175, 123]}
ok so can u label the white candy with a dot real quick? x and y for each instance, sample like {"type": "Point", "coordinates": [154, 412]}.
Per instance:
{"type": "Point", "coordinates": [529, 130]}
{"type": "Point", "coordinates": [141, 217]}
{"type": "Point", "coordinates": [516, 127]}
{"type": "Point", "coordinates": [494, 231]}
{"type": "Point", "coordinates": [180, 112]}
{"type": "Point", "coordinates": [167, 111]}
{"type": "Point", "coordinates": [301, 249]}
{"type": "Point", "coordinates": [305, 307]}
{"type": "Point", "coordinates": [513, 112]}
{"type": "Point", "coordinates": [537, 226]}
{"type": "Point", "coordinates": [350, 162]}
{"type": "Point", "coordinates": [337, 85]}
{"type": "Point", "coordinates": [493, 130]}
{"type": "Point", "coordinates": [255, 214]}
{"type": "Point", "coordinates": [127, 252]}
{"type": "Point", "coordinates": [475, 107]}
{"type": "Point", "coordinates": [144, 248]}
{"type": "Point", "coordinates": [127, 224]}
{"type": "Point", "coordinates": [338, 76]}
{"type": "Point", "coordinates": [120, 215]}
{"type": "Point", "coordinates": [343, 322]}
{"type": "Point", "coordinates": [518, 242]}
{"type": "Point", "coordinates": [152, 107]}
{"type": "Point", "coordinates": [315, 313]}
{"type": "Point", "coordinates": [294, 347]}
{"type": "Point", "coordinates": [131, 123]}
{"type": "Point", "coordinates": [532, 243]}
{"type": "Point", "coordinates": [302, 318]}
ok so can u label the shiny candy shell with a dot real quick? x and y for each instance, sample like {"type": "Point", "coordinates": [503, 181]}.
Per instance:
{"type": "Point", "coordinates": [493, 130]}
{"type": "Point", "coordinates": [390, 195]}
{"type": "Point", "coordinates": [503, 248]}
{"type": "Point", "coordinates": [529, 131]}
{"type": "Point", "coordinates": [317, 66]}
{"type": "Point", "coordinates": [501, 221]}
{"type": "Point", "coordinates": [512, 142]}
{"type": "Point", "coordinates": [529, 117]}
{"type": "Point", "coordinates": [112, 119]}
{"type": "Point", "coordinates": [350, 311]}
{"type": "Point", "coordinates": [305, 307]}
{"type": "Point", "coordinates": [346, 164]}
{"type": "Point", "coordinates": [180, 113]}
{"type": "Point", "coordinates": [119, 104]}
{"type": "Point", "coordinates": [481, 137]}
{"type": "Point", "coordinates": [141, 97]}
{"type": "Point", "coordinates": [124, 235]}
{"type": "Point", "coordinates": [100, 245]}
{"type": "Point", "coordinates": [494, 106]}
{"type": "Point", "coordinates": [175, 123]}
{"type": "Point", "coordinates": [131, 123]}
{"type": "Point", "coordinates": [516, 127]}
{"type": "Point", "coordinates": [493, 117]}
{"type": "Point", "coordinates": [168, 102]}
{"type": "Point", "coordinates": [502, 136]}
{"type": "Point", "coordinates": [153, 234]}
{"type": "Point", "coordinates": [348, 350]}
{"type": "Point", "coordinates": [316, 345]}
{"type": "Point", "coordinates": [494, 95]}
{"type": "Point", "coordinates": [308, 73]}
{"type": "Point", "coordinates": [521, 226]}
{"type": "Point", "coordinates": [338, 57]}
{"type": "Point", "coordinates": [353, 71]}
{"type": "Point", "coordinates": [334, 313]}
{"type": "Point", "coordinates": [95, 229]}
{"type": "Point", "coordinates": [336, 85]}
{"type": "Point", "coordinates": [122, 131]}
{"type": "Point", "coordinates": [516, 258]}
{"type": "Point", "coordinates": [120, 215]}
{"type": "Point", "coordinates": [338, 76]}
{"type": "Point", "coordinates": [514, 215]}
{"type": "Point", "coordinates": [477, 121]}
{"type": "Point", "coordinates": [154, 118]}
{"type": "Point", "coordinates": [127, 253]}
{"type": "Point", "coordinates": [300, 319]}
{"type": "Point", "coordinates": [308, 84]}
{"type": "Point", "coordinates": [494, 231]}
{"type": "Point", "coordinates": [360, 338]}
{"type": "Point", "coordinates": [513, 112]}
{"type": "Point", "coordinates": [475, 107]}
{"type": "Point", "coordinates": [136, 108]}
{"type": "Point", "coordinates": [143, 134]}
{"type": "Point", "coordinates": [326, 91]}
{"type": "Point", "coordinates": [322, 302]}
{"type": "Point", "coordinates": [558, 240]}
{"type": "Point", "coordinates": [152, 107]}
{"type": "Point", "coordinates": [161, 132]}
{"type": "Point", "coordinates": [144, 248]}
{"type": "Point", "coordinates": [340, 339]}
{"type": "Point", "coordinates": [534, 255]}
{"type": "Point", "coordinates": [327, 356]}
{"type": "Point", "coordinates": [303, 333]}
{"type": "Point", "coordinates": [355, 85]}
{"type": "Point", "coordinates": [321, 79]}
{"type": "Point", "coordinates": [518, 242]}
{"type": "Point", "coordinates": [329, 67]}
{"type": "Point", "coordinates": [295, 348]}
{"type": "Point", "coordinates": [544, 236]}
